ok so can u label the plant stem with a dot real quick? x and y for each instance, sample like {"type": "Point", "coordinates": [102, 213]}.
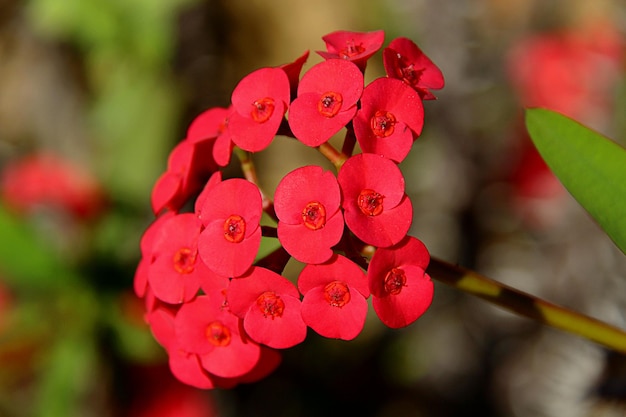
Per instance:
{"type": "Point", "coordinates": [333, 155]}
{"type": "Point", "coordinates": [528, 305]}
{"type": "Point", "coordinates": [249, 172]}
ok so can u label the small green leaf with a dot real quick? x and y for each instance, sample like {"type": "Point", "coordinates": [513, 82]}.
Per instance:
{"type": "Point", "coordinates": [591, 167]}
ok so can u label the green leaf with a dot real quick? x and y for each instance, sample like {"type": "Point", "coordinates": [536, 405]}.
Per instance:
{"type": "Point", "coordinates": [26, 262]}
{"type": "Point", "coordinates": [591, 167]}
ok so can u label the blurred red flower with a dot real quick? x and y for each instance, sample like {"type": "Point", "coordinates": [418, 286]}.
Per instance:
{"type": "Point", "coordinates": [48, 180]}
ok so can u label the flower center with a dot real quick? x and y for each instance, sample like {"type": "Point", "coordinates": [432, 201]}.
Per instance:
{"type": "Point", "coordinates": [394, 281]}
{"type": "Point", "coordinates": [234, 228]}
{"type": "Point", "coordinates": [270, 304]}
{"type": "Point", "coordinates": [218, 334]}
{"type": "Point", "coordinates": [382, 123]}
{"type": "Point", "coordinates": [185, 260]}
{"type": "Point", "coordinates": [337, 294]}
{"type": "Point", "coordinates": [329, 104]}
{"type": "Point", "coordinates": [263, 109]}
{"type": "Point", "coordinates": [314, 215]}
{"type": "Point", "coordinates": [370, 202]}
{"type": "Point", "coordinates": [351, 50]}
{"type": "Point", "coordinates": [407, 72]}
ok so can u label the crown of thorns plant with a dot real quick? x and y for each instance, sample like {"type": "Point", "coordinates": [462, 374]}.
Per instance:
{"type": "Point", "coordinates": [220, 308]}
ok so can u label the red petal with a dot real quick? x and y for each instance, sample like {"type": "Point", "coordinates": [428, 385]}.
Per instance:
{"type": "Point", "coordinates": [344, 322]}
{"type": "Point", "coordinates": [336, 268]}
{"type": "Point", "coordinates": [244, 291]}
{"type": "Point", "coordinates": [277, 332]}
{"type": "Point", "coordinates": [252, 136]}
{"type": "Point", "coordinates": [431, 76]}
{"type": "Point", "coordinates": [312, 128]}
{"type": "Point", "coordinates": [215, 179]}
{"type": "Point", "coordinates": [395, 146]}
{"type": "Point", "coordinates": [165, 192]}
{"type": "Point", "coordinates": [161, 321]}
{"type": "Point", "coordinates": [393, 96]}
{"type": "Point", "coordinates": [233, 196]}
{"type": "Point", "coordinates": [302, 186]}
{"type": "Point", "coordinates": [192, 320]}
{"type": "Point", "coordinates": [386, 229]}
{"type": "Point", "coordinates": [374, 172]}
{"type": "Point", "coordinates": [226, 258]}
{"type": "Point", "coordinates": [335, 75]}
{"type": "Point", "coordinates": [187, 369]}
{"type": "Point", "coordinates": [234, 360]}
{"type": "Point", "coordinates": [264, 82]}
{"type": "Point", "coordinates": [404, 308]}
{"type": "Point", "coordinates": [311, 246]}
{"type": "Point", "coordinates": [170, 286]}
{"type": "Point", "coordinates": [293, 70]}
{"type": "Point", "coordinates": [208, 124]}
{"type": "Point", "coordinates": [409, 251]}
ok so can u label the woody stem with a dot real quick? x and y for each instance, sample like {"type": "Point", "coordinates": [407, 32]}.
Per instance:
{"type": "Point", "coordinates": [528, 305]}
{"type": "Point", "coordinates": [249, 171]}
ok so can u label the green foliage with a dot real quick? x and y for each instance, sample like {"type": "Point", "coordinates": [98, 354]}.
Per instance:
{"type": "Point", "coordinates": [127, 48]}
{"type": "Point", "coordinates": [28, 263]}
{"type": "Point", "coordinates": [591, 167]}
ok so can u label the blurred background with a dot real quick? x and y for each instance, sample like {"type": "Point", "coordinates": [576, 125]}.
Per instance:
{"type": "Point", "coordinates": [95, 93]}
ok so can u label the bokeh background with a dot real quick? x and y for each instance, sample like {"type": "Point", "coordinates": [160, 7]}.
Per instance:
{"type": "Point", "coordinates": [94, 94]}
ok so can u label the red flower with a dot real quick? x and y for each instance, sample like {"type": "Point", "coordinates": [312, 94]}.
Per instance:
{"type": "Point", "coordinates": [270, 307]}
{"type": "Point", "coordinates": [404, 60]}
{"type": "Point", "coordinates": [326, 102]}
{"type": "Point", "coordinates": [211, 125]}
{"type": "Point", "coordinates": [309, 220]}
{"type": "Point", "coordinates": [205, 328]}
{"type": "Point", "coordinates": [357, 47]}
{"type": "Point", "coordinates": [231, 238]}
{"type": "Point", "coordinates": [260, 101]}
{"type": "Point", "coordinates": [187, 169]}
{"type": "Point", "coordinates": [376, 208]}
{"type": "Point", "coordinates": [391, 116]}
{"type": "Point", "coordinates": [176, 273]}
{"type": "Point", "coordinates": [401, 289]}
{"type": "Point", "coordinates": [574, 73]}
{"type": "Point", "coordinates": [47, 180]}
{"type": "Point", "coordinates": [160, 318]}
{"type": "Point", "coordinates": [187, 368]}
{"type": "Point", "coordinates": [140, 283]}
{"type": "Point", "coordinates": [335, 292]}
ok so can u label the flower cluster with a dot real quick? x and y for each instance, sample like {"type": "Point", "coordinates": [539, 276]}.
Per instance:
{"type": "Point", "coordinates": [219, 308]}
